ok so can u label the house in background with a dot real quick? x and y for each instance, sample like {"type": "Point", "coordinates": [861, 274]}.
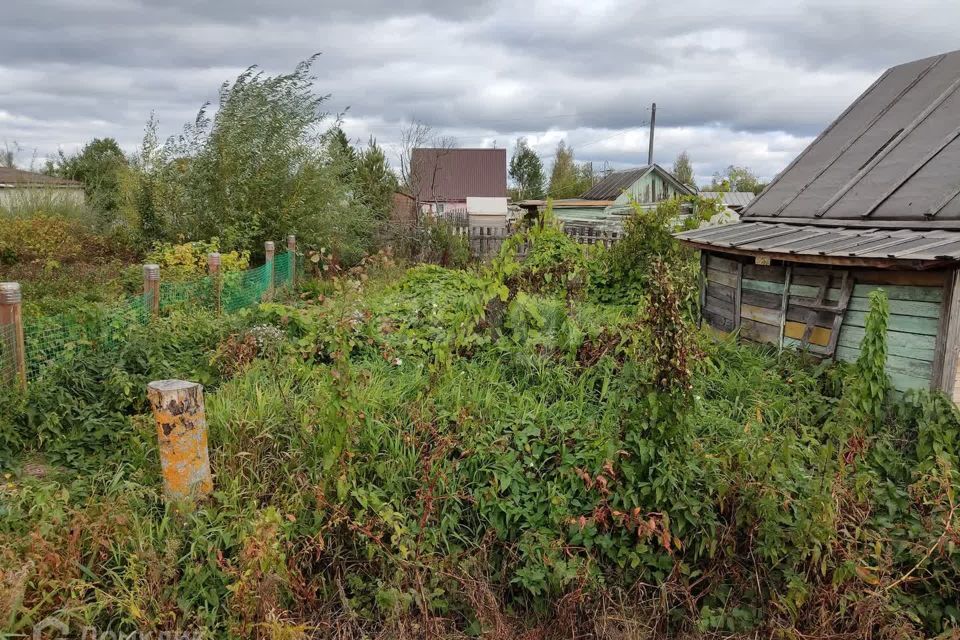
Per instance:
{"type": "Point", "coordinates": [733, 203]}
{"type": "Point", "coordinates": [24, 187]}
{"type": "Point", "coordinates": [872, 203]}
{"type": "Point", "coordinates": [610, 201]}
{"type": "Point", "coordinates": [443, 180]}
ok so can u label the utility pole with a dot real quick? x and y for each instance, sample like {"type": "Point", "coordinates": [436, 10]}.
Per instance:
{"type": "Point", "coordinates": [653, 125]}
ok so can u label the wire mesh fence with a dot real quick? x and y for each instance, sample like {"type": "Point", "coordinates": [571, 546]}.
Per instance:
{"type": "Point", "coordinates": [49, 339]}
{"type": "Point", "coordinates": [8, 370]}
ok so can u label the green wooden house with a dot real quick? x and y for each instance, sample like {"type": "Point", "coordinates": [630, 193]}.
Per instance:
{"type": "Point", "coordinates": [608, 202]}
{"type": "Point", "coordinates": [873, 202]}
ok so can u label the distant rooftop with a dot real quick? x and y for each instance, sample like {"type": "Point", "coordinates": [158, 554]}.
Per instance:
{"type": "Point", "coordinates": [731, 198]}
{"type": "Point", "coordinates": [10, 177]}
{"type": "Point", "coordinates": [455, 174]}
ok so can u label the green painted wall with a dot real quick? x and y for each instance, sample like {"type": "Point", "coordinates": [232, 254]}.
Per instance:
{"type": "Point", "coordinates": [914, 321]}
{"type": "Point", "coordinates": [650, 188]}
{"type": "Point", "coordinates": [911, 333]}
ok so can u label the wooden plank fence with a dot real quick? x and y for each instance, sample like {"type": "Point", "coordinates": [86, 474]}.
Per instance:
{"type": "Point", "coordinates": [485, 242]}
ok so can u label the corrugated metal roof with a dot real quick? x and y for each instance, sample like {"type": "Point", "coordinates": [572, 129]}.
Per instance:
{"type": "Point", "coordinates": [20, 178]}
{"type": "Point", "coordinates": [614, 184]}
{"type": "Point", "coordinates": [891, 158]}
{"type": "Point", "coordinates": [610, 187]}
{"type": "Point", "coordinates": [731, 198]}
{"type": "Point", "coordinates": [836, 242]}
{"type": "Point", "coordinates": [455, 174]}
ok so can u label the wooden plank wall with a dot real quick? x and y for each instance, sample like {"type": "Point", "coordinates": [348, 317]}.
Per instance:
{"type": "Point", "coordinates": [916, 300]}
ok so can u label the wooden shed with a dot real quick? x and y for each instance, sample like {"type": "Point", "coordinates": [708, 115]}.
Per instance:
{"type": "Point", "coordinates": [873, 202]}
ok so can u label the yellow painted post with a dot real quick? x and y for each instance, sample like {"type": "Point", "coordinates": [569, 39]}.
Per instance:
{"type": "Point", "coordinates": [292, 250]}
{"type": "Point", "coordinates": [268, 249]}
{"type": "Point", "coordinates": [151, 288]}
{"type": "Point", "coordinates": [213, 268]}
{"type": "Point", "coordinates": [11, 332]}
{"type": "Point", "coordinates": [182, 435]}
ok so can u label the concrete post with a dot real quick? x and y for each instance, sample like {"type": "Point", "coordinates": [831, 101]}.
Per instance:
{"type": "Point", "coordinates": [213, 268]}
{"type": "Point", "coordinates": [151, 289]}
{"type": "Point", "coordinates": [11, 333]}
{"type": "Point", "coordinates": [268, 249]}
{"type": "Point", "coordinates": [292, 250]}
{"type": "Point", "coordinates": [182, 435]}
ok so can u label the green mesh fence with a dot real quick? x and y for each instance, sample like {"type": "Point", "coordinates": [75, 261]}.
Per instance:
{"type": "Point", "coordinates": [191, 294]}
{"type": "Point", "coordinates": [48, 339]}
{"type": "Point", "coordinates": [244, 288]}
{"type": "Point", "coordinates": [283, 267]}
{"type": "Point", "coordinates": [8, 371]}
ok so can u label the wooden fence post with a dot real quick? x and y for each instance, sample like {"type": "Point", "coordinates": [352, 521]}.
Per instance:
{"type": "Point", "coordinates": [182, 435]}
{"type": "Point", "coordinates": [151, 289]}
{"type": "Point", "coordinates": [213, 268]}
{"type": "Point", "coordinates": [11, 332]}
{"type": "Point", "coordinates": [268, 249]}
{"type": "Point", "coordinates": [292, 250]}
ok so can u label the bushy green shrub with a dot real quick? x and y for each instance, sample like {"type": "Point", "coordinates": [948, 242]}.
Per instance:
{"type": "Point", "coordinates": [621, 275]}
{"type": "Point", "coordinates": [543, 259]}
{"type": "Point", "coordinates": [430, 241]}
{"type": "Point", "coordinates": [259, 168]}
{"type": "Point", "coordinates": [190, 259]}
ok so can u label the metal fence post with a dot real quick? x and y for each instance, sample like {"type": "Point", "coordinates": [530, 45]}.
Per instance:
{"type": "Point", "coordinates": [182, 435]}
{"type": "Point", "coordinates": [213, 268]}
{"type": "Point", "coordinates": [11, 332]}
{"type": "Point", "coordinates": [268, 249]}
{"type": "Point", "coordinates": [151, 289]}
{"type": "Point", "coordinates": [292, 250]}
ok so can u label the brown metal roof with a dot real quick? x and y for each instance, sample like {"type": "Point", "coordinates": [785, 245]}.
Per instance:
{"type": "Point", "coordinates": [19, 178]}
{"type": "Point", "coordinates": [800, 242]}
{"type": "Point", "coordinates": [891, 159]}
{"type": "Point", "coordinates": [455, 174]}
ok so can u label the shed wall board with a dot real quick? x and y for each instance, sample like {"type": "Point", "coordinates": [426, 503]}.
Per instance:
{"type": "Point", "coordinates": [916, 305]}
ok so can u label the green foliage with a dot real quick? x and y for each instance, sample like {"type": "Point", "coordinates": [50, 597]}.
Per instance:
{"type": "Point", "coordinates": [375, 181]}
{"type": "Point", "coordinates": [735, 178]}
{"type": "Point", "coordinates": [432, 241]}
{"type": "Point", "coordinates": [190, 259]}
{"type": "Point", "coordinates": [99, 166]}
{"type": "Point", "coordinates": [683, 170]}
{"type": "Point", "coordinates": [394, 460]}
{"type": "Point", "coordinates": [258, 169]}
{"type": "Point", "coordinates": [567, 178]}
{"type": "Point", "coordinates": [526, 171]}
{"type": "Point", "coordinates": [552, 263]}
{"type": "Point", "coordinates": [869, 385]}
{"type": "Point", "coordinates": [623, 274]}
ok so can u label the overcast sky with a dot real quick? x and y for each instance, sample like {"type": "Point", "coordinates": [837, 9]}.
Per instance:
{"type": "Point", "coordinates": [737, 82]}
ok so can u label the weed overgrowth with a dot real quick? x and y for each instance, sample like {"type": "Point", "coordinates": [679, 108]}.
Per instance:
{"type": "Point", "coordinates": [445, 453]}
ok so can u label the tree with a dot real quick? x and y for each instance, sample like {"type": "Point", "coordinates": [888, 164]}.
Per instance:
{"type": "Point", "coordinates": [683, 170]}
{"type": "Point", "coordinates": [258, 169]}
{"type": "Point", "coordinates": [526, 170]}
{"type": "Point", "coordinates": [735, 178]}
{"type": "Point", "coordinates": [567, 178]}
{"type": "Point", "coordinates": [8, 157]}
{"type": "Point", "coordinates": [375, 181]}
{"type": "Point", "coordinates": [564, 182]}
{"type": "Point", "coordinates": [341, 153]}
{"type": "Point", "coordinates": [99, 166]}
{"type": "Point", "coordinates": [414, 135]}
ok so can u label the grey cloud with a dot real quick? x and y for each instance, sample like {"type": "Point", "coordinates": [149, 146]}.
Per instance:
{"type": "Point", "coordinates": [746, 82]}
